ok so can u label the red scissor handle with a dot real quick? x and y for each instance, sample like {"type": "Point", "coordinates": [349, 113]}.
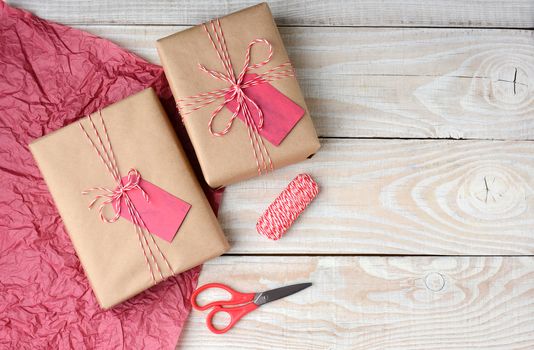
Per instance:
{"type": "Point", "coordinates": [236, 299]}
{"type": "Point", "coordinates": [236, 313]}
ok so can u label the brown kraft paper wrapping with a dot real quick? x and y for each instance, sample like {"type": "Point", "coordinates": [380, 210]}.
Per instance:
{"type": "Point", "coordinates": [142, 138]}
{"type": "Point", "coordinates": [229, 159]}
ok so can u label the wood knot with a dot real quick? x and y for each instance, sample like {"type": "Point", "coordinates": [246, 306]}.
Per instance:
{"type": "Point", "coordinates": [512, 84]}
{"type": "Point", "coordinates": [492, 192]}
{"type": "Point", "coordinates": [434, 281]}
{"type": "Point", "coordinates": [492, 189]}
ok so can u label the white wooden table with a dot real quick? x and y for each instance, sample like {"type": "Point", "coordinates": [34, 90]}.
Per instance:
{"type": "Point", "coordinates": [423, 234]}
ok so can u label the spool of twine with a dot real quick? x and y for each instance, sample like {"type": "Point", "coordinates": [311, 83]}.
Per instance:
{"type": "Point", "coordinates": [287, 207]}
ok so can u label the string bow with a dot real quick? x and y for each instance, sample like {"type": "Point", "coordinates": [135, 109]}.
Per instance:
{"type": "Point", "coordinates": [235, 92]}
{"type": "Point", "coordinates": [115, 196]}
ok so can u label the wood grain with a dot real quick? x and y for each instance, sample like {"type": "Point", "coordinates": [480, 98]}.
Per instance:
{"type": "Point", "coordinates": [415, 13]}
{"type": "Point", "coordinates": [415, 83]}
{"type": "Point", "coordinates": [377, 303]}
{"type": "Point", "coordinates": [398, 197]}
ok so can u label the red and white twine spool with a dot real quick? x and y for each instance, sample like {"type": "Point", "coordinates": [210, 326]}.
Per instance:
{"type": "Point", "coordinates": [287, 207]}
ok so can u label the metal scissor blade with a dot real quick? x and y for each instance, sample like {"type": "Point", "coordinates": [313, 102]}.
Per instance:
{"type": "Point", "coordinates": [278, 293]}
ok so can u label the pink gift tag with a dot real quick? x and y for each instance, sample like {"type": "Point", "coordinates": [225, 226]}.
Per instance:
{"type": "Point", "coordinates": [163, 214]}
{"type": "Point", "coordinates": [280, 114]}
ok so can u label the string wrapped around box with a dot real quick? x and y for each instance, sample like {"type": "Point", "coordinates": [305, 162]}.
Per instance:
{"type": "Point", "coordinates": [115, 196]}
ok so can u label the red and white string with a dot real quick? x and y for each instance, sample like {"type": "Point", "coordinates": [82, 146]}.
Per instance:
{"type": "Point", "coordinates": [114, 197]}
{"type": "Point", "coordinates": [287, 207]}
{"type": "Point", "coordinates": [235, 92]}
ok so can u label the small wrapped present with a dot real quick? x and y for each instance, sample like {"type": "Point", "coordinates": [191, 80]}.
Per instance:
{"type": "Point", "coordinates": [238, 96]}
{"type": "Point", "coordinates": [148, 218]}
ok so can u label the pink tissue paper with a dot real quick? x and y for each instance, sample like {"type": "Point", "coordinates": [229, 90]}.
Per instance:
{"type": "Point", "coordinates": [51, 75]}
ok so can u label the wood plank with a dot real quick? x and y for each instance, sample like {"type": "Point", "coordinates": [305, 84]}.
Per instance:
{"type": "Point", "coordinates": [424, 83]}
{"type": "Point", "coordinates": [377, 303]}
{"type": "Point", "coordinates": [398, 197]}
{"type": "Point", "coordinates": [428, 13]}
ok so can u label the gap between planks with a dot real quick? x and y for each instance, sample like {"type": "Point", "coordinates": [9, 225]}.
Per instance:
{"type": "Point", "coordinates": [374, 255]}
{"type": "Point", "coordinates": [185, 25]}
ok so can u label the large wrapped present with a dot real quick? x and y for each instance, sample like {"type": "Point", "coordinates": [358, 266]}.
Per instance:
{"type": "Point", "coordinates": [128, 197]}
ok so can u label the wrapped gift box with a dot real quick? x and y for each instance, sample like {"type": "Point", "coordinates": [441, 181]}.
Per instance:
{"type": "Point", "coordinates": [288, 133]}
{"type": "Point", "coordinates": [142, 138]}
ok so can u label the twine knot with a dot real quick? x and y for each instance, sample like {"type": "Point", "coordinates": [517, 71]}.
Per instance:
{"type": "Point", "coordinates": [115, 196]}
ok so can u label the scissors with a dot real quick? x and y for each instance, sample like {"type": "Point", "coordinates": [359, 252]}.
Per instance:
{"type": "Point", "coordinates": [240, 304]}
